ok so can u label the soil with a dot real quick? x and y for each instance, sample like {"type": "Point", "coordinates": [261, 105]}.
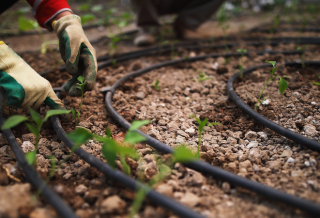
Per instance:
{"type": "Point", "coordinates": [239, 144]}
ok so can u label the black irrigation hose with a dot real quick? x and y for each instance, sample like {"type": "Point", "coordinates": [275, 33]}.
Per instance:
{"type": "Point", "coordinates": [312, 144]}
{"type": "Point", "coordinates": [122, 178]}
{"type": "Point", "coordinates": [33, 177]}
{"type": "Point", "coordinates": [189, 45]}
{"type": "Point", "coordinates": [202, 166]}
{"type": "Point", "coordinates": [289, 29]}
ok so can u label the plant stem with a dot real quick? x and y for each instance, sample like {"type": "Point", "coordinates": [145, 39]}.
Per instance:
{"type": "Point", "coordinates": [199, 142]}
{"type": "Point", "coordinates": [265, 85]}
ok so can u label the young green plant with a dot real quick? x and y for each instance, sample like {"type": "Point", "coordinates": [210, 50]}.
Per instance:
{"type": "Point", "coordinates": [283, 85]}
{"type": "Point", "coordinates": [302, 49]}
{"type": "Point", "coordinates": [34, 125]}
{"type": "Point", "coordinates": [25, 24]}
{"type": "Point", "coordinates": [202, 124]}
{"type": "Point", "coordinates": [155, 85]}
{"type": "Point", "coordinates": [242, 51]}
{"type": "Point", "coordinates": [202, 77]}
{"type": "Point", "coordinates": [81, 85]}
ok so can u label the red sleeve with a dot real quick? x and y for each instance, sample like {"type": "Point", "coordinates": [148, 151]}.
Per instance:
{"type": "Point", "coordinates": [45, 10]}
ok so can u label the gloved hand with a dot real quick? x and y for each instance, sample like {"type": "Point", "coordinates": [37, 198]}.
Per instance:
{"type": "Point", "coordinates": [77, 53]}
{"type": "Point", "coordinates": [21, 86]}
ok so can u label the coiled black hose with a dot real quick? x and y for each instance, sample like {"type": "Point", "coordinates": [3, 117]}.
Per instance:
{"type": "Point", "coordinates": [32, 175]}
{"type": "Point", "coordinates": [123, 179]}
{"type": "Point", "coordinates": [309, 143]}
{"type": "Point", "coordinates": [201, 166]}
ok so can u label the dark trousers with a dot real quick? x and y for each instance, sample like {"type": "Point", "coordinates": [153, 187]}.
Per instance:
{"type": "Point", "coordinates": [191, 13]}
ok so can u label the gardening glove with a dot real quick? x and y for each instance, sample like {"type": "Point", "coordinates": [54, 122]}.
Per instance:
{"type": "Point", "coordinates": [77, 53]}
{"type": "Point", "coordinates": [21, 86]}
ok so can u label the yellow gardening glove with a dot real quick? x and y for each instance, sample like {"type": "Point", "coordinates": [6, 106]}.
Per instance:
{"type": "Point", "coordinates": [21, 86]}
{"type": "Point", "coordinates": [77, 53]}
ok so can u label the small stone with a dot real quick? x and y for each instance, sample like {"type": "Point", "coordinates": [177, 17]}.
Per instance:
{"type": "Point", "coordinates": [310, 130]}
{"type": "Point", "coordinates": [274, 165]}
{"type": "Point", "coordinates": [290, 160]}
{"type": "Point", "coordinates": [195, 178]}
{"type": "Point", "coordinates": [266, 102]}
{"type": "Point", "coordinates": [190, 199]}
{"type": "Point", "coordinates": [296, 173]}
{"type": "Point", "coordinates": [286, 153]}
{"type": "Point", "coordinates": [190, 131]}
{"type": "Point", "coordinates": [150, 170]}
{"type": "Point", "coordinates": [41, 212]}
{"type": "Point", "coordinates": [251, 136]}
{"type": "Point", "coordinates": [140, 95]}
{"type": "Point", "coordinates": [253, 144]}
{"type": "Point", "coordinates": [307, 163]}
{"type": "Point", "coordinates": [245, 164]}
{"type": "Point", "coordinates": [67, 176]}
{"type": "Point", "coordinates": [231, 141]}
{"type": "Point", "coordinates": [80, 189]}
{"type": "Point", "coordinates": [92, 195]}
{"type": "Point", "coordinates": [165, 189]}
{"type": "Point", "coordinates": [112, 204]}
{"type": "Point", "coordinates": [215, 65]}
{"type": "Point", "coordinates": [263, 136]}
{"type": "Point", "coordinates": [254, 155]}
{"type": "Point", "coordinates": [27, 146]}
{"type": "Point", "coordinates": [226, 187]}
{"type": "Point", "coordinates": [86, 124]}
{"type": "Point", "coordinates": [29, 137]}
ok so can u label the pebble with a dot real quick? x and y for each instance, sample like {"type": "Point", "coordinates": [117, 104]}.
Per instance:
{"type": "Point", "coordinates": [251, 136]}
{"type": "Point", "coordinates": [140, 95]}
{"type": "Point", "coordinates": [190, 199]}
{"type": "Point", "coordinates": [310, 130]}
{"type": "Point", "coordinates": [290, 160]}
{"type": "Point", "coordinates": [113, 204]}
{"type": "Point", "coordinates": [263, 136]}
{"type": "Point", "coordinates": [226, 187]}
{"type": "Point", "coordinates": [27, 146]}
{"type": "Point", "coordinates": [80, 189]}
{"type": "Point", "coordinates": [67, 176]}
{"type": "Point", "coordinates": [165, 189]}
{"type": "Point", "coordinates": [29, 137]}
{"type": "Point", "coordinates": [245, 164]}
{"type": "Point", "coordinates": [191, 131]}
{"type": "Point", "coordinates": [286, 153]}
{"type": "Point", "coordinates": [253, 144]}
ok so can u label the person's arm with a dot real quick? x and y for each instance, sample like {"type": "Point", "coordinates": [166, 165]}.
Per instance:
{"type": "Point", "coordinates": [46, 11]}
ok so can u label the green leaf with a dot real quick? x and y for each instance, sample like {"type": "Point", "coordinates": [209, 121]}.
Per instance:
{"type": "Point", "coordinates": [273, 63]}
{"type": "Point", "coordinates": [109, 150]}
{"type": "Point", "coordinates": [123, 23]}
{"type": "Point", "coordinates": [55, 112]}
{"type": "Point", "coordinates": [125, 166]}
{"type": "Point", "coordinates": [80, 136]}
{"type": "Point", "coordinates": [127, 151]}
{"type": "Point", "coordinates": [31, 157]}
{"type": "Point", "coordinates": [197, 119]}
{"type": "Point", "coordinates": [81, 79]}
{"type": "Point", "coordinates": [202, 125]}
{"type": "Point", "coordinates": [25, 24]}
{"type": "Point", "coordinates": [14, 121]}
{"type": "Point", "coordinates": [84, 7]}
{"type": "Point", "coordinates": [33, 129]}
{"type": "Point", "coordinates": [86, 18]}
{"type": "Point", "coordinates": [53, 166]}
{"type": "Point", "coordinates": [74, 114]}
{"type": "Point", "coordinates": [182, 154]}
{"type": "Point", "coordinates": [137, 124]}
{"type": "Point", "coordinates": [108, 133]}
{"type": "Point", "coordinates": [214, 123]}
{"type": "Point", "coordinates": [35, 116]}
{"type": "Point", "coordinates": [133, 137]}
{"type": "Point", "coordinates": [96, 8]}
{"type": "Point", "coordinates": [137, 202]}
{"type": "Point", "coordinates": [315, 83]}
{"type": "Point", "coordinates": [283, 85]}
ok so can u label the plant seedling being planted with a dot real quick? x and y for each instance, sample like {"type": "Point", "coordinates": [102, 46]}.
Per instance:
{"type": "Point", "coordinates": [34, 125]}
{"type": "Point", "coordinates": [202, 77]}
{"type": "Point", "coordinates": [283, 85]}
{"type": "Point", "coordinates": [81, 85]}
{"type": "Point", "coordinates": [202, 124]}
{"type": "Point", "coordinates": [242, 51]}
{"type": "Point", "coordinates": [302, 49]}
{"type": "Point", "coordinates": [156, 85]}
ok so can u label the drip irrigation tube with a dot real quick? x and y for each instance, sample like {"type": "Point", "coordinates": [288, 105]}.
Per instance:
{"type": "Point", "coordinates": [201, 166]}
{"type": "Point", "coordinates": [33, 177]}
{"type": "Point", "coordinates": [122, 178]}
{"type": "Point", "coordinates": [190, 45]}
{"type": "Point", "coordinates": [312, 144]}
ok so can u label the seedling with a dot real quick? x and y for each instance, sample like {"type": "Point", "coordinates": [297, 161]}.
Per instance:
{"type": "Point", "coordinates": [34, 125]}
{"type": "Point", "coordinates": [302, 49]}
{"type": "Point", "coordinates": [316, 83]}
{"type": "Point", "coordinates": [283, 85]}
{"type": "Point", "coordinates": [25, 24]}
{"type": "Point", "coordinates": [86, 18]}
{"type": "Point", "coordinates": [202, 77]}
{"type": "Point", "coordinates": [275, 25]}
{"type": "Point", "coordinates": [156, 85]}
{"type": "Point", "coordinates": [222, 22]}
{"type": "Point", "coordinates": [183, 155]}
{"type": "Point", "coordinates": [242, 51]}
{"type": "Point", "coordinates": [202, 124]}
{"type": "Point", "coordinates": [81, 85]}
